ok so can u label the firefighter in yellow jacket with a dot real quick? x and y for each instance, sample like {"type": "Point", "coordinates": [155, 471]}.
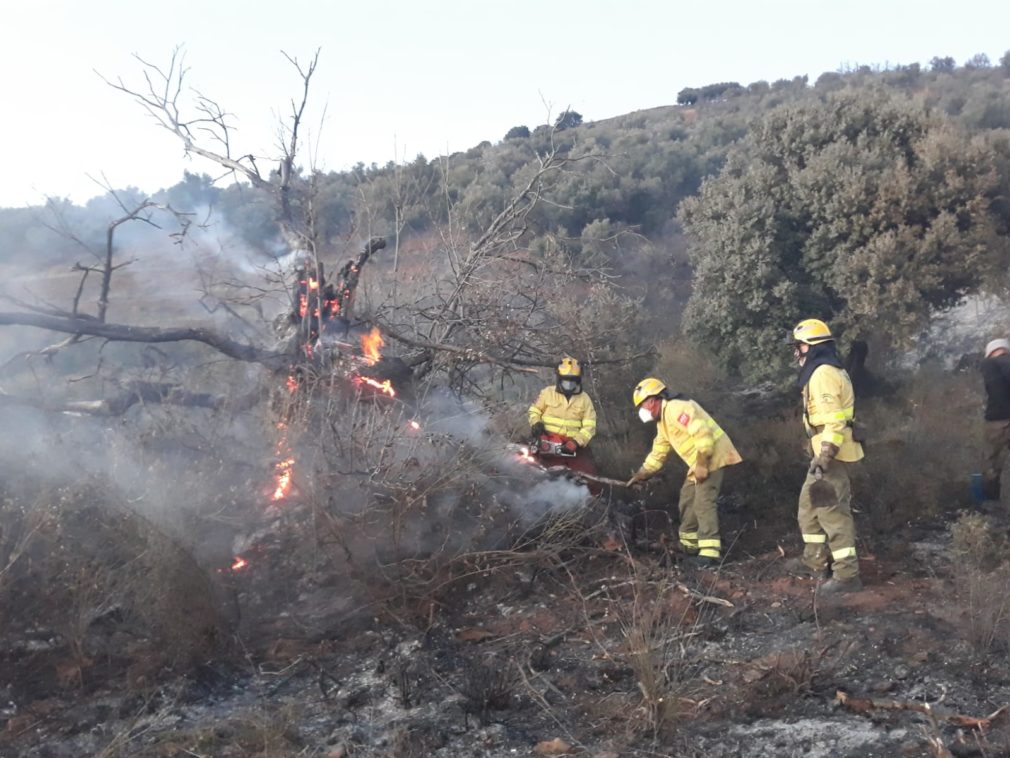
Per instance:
{"type": "Point", "coordinates": [825, 513]}
{"type": "Point", "coordinates": [564, 413]}
{"type": "Point", "coordinates": [685, 427]}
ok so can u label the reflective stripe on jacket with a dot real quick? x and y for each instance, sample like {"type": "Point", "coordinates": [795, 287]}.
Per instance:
{"type": "Point", "coordinates": [829, 407]}
{"type": "Point", "coordinates": [573, 417]}
{"type": "Point", "coordinates": [686, 428]}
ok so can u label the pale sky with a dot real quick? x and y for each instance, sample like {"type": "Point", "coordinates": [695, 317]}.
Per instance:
{"type": "Point", "coordinates": [402, 77]}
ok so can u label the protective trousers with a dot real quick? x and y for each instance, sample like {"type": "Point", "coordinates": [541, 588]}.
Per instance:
{"type": "Point", "coordinates": [997, 444]}
{"type": "Point", "coordinates": [829, 533]}
{"type": "Point", "coordinates": [699, 517]}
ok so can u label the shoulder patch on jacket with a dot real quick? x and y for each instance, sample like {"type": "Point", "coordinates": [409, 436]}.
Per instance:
{"type": "Point", "coordinates": [683, 419]}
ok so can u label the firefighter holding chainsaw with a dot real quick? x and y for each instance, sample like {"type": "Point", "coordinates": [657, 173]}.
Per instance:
{"type": "Point", "coordinates": [563, 421]}
{"type": "Point", "coordinates": [685, 427]}
{"type": "Point", "coordinates": [825, 514]}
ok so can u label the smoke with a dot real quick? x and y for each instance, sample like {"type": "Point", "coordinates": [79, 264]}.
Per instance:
{"type": "Point", "coordinates": [529, 492]}
{"type": "Point", "coordinates": [446, 486]}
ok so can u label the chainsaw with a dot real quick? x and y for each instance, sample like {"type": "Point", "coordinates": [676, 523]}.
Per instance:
{"type": "Point", "coordinates": [550, 444]}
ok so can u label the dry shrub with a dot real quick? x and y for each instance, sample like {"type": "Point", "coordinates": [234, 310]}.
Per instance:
{"type": "Point", "coordinates": [975, 542]}
{"type": "Point", "coordinates": [105, 582]}
{"type": "Point", "coordinates": [925, 440]}
{"type": "Point", "coordinates": [986, 610]}
{"type": "Point", "coordinates": [391, 515]}
{"type": "Point", "coordinates": [772, 681]}
{"type": "Point", "coordinates": [981, 576]}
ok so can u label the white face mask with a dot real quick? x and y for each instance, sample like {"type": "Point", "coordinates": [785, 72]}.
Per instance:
{"type": "Point", "coordinates": [568, 384]}
{"type": "Point", "coordinates": [645, 415]}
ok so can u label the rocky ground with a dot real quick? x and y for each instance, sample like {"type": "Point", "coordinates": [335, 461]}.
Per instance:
{"type": "Point", "coordinates": [606, 651]}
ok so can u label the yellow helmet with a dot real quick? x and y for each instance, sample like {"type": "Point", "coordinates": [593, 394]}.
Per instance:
{"type": "Point", "coordinates": [811, 331]}
{"type": "Point", "coordinates": [647, 388]}
{"type": "Point", "coordinates": [569, 368]}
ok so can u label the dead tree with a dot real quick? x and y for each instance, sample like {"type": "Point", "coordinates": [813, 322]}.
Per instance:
{"type": "Point", "coordinates": [207, 132]}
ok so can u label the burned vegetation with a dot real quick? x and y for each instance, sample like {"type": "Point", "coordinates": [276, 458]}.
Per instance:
{"type": "Point", "coordinates": [284, 506]}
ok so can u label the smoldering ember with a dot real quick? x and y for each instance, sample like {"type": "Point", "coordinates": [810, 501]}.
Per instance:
{"type": "Point", "coordinates": [309, 463]}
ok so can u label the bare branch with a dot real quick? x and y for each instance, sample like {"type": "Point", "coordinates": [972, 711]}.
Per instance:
{"type": "Point", "coordinates": [152, 334]}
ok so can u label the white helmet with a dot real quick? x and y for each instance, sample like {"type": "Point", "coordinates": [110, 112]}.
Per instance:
{"type": "Point", "coordinates": [995, 345]}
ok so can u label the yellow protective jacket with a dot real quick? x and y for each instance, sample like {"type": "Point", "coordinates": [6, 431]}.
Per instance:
{"type": "Point", "coordinates": [829, 406]}
{"type": "Point", "coordinates": [686, 428]}
{"type": "Point", "coordinates": [573, 416]}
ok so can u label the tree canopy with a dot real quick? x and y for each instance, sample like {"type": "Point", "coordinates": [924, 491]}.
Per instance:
{"type": "Point", "coordinates": [862, 208]}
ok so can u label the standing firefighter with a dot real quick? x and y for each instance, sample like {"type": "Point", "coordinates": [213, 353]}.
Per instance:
{"type": "Point", "coordinates": [685, 427]}
{"type": "Point", "coordinates": [996, 374]}
{"type": "Point", "coordinates": [825, 515]}
{"type": "Point", "coordinates": [563, 421]}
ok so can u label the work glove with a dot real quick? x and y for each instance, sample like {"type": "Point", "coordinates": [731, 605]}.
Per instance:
{"type": "Point", "coordinates": [570, 446]}
{"type": "Point", "coordinates": [637, 478]}
{"type": "Point", "coordinates": [820, 463]}
{"type": "Point", "coordinates": [538, 428]}
{"type": "Point", "coordinates": [700, 469]}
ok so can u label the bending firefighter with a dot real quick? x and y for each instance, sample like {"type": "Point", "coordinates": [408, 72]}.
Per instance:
{"type": "Point", "coordinates": [825, 515]}
{"type": "Point", "coordinates": [685, 427]}
{"type": "Point", "coordinates": [563, 421]}
{"type": "Point", "coordinates": [996, 374]}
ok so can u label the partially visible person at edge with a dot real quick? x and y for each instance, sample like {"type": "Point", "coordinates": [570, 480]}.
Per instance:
{"type": "Point", "coordinates": [565, 413]}
{"type": "Point", "coordinates": [685, 427]}
{"type": "Point", "coordinates": [996, 375]}
{"type": "Point", "coordinates": [826, 523]}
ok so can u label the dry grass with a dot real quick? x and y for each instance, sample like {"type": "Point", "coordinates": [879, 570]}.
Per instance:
{"type": "Point", "coordinates": [260, 734]}
{"type": "Point", "coordinates": [488, 685]}
{"type": "Point", "coordinates": [657, 639]}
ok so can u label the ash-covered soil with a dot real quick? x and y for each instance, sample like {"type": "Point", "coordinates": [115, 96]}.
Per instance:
{"type": "Point", "coordinates": [606, 650]}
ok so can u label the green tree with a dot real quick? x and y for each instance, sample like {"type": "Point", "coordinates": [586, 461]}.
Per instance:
{"type": "Point", "coordinates": [568, 120]}
{"type": "Point", "coordinates": [688, 96]}
{"type": "Point", "coordinates": [979, 60]}
{"type": "Point", "coordinates": [1004, 63]}
{"type": "Point", "coordinates": [942, 64]}
{"type": "Point", "coordinates": [861, 209]}
{"type": "Point", "coordinates": [518, 132]}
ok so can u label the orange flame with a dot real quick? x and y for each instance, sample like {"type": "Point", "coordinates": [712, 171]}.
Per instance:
{"type": "Point", "coordinates": [292, 384]}
{"type": "Point", "coordinates": [526, 455]}
{"type": "Point", "coordinates": [239, 563]}
{"type": "Point", "coordinates": [284, 470]}
{"type": "Point", "coordinates": [385, 387]}
{"type": "Point", "coordinates": [310, 285]}
{"type": "Point", "coordinates": [414, 425]}
{"type": "Point", "coordinates": [371, 345]}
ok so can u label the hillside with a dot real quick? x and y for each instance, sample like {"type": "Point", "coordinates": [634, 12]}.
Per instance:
{"type": "Point", "coordinates": [266, 486]}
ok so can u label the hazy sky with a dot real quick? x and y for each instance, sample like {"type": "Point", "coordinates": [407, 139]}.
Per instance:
{"type": "Point", "coordinates": [397, 77]}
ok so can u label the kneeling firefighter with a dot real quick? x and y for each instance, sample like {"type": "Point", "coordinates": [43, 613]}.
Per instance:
{"type": "Point", "coordinates": [685, 427]}
{"type": "Point", "coordinates": [563, 421]}
{"type": "Point", "coordinates": [825, 513]}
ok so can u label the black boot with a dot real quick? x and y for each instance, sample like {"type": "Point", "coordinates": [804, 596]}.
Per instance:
{"type": "Point", "coordinates": [797, 567]}
{"type": "Point", "coordinates": [840, 586]}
